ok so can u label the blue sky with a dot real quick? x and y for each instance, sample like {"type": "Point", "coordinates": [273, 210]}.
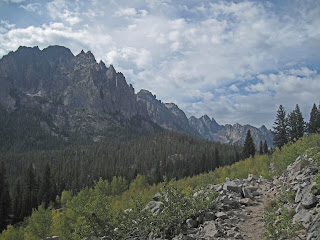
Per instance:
{"type": "Point", "coordinates": [236, 61]}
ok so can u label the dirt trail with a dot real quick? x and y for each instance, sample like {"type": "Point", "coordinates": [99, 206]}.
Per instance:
{"type": "Point", "coordinates": [253, 228]}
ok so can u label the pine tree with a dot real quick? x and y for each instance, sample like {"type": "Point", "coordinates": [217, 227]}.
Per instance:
{"type": "Point", "coordinates": [292, 126]}
{"type": "Point", "coordinates": [30, 192]}
{"type": "Point", "coordinates": [5, 201]}
{"type": "Point", "coordinates": [260, 148]}
{"type": "Point", "coordinates": [313, 122]}
{"type": "Point", "coordinates": [296, 124]}
{"type": "Point", "coordinates": [265, 147]}
{"type": "Point", "coordinates": [45, 194]}
{"type": "Point", "coordinates": [300, 125]}
{"type": "Point", "coordinates": [248, 148]}
{"type": "Point", "coordinates": [17, 202]}
{"type": "Point", "coordinates": [280, 128]}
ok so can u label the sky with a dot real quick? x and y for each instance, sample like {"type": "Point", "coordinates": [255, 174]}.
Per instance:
{"type": "Point", "coordinates": [235, 61]}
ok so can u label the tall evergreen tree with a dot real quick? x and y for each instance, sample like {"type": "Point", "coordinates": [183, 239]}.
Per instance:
{"type": "Point", "coordinates": [260, 148]}
{"type": "Point", "coordinates": [313, 122]}
{"type": "Point", "coordinates": [300, 125]}
{"type": "Point", "coordinates": [45, 194]}
{"type": "Point", "coordinates": [17, 202]}
{"type": "Point", "coordinates": [296, 124]}
{"type": "Point", "coordinates": [30, 192]}
{"type": "Point", "coordinates": [248, 148]}
{"type": "Point", "coordinates": [5, 201]}
{"type": "Point", "coordinates": [280, 128]}
{"type": "Point", "coordinates": [265, 147]}
{"type": "Point", "coordinates": [292, 126]}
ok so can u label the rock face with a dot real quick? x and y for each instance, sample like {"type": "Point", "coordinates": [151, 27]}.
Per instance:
{"type": "Point", "coordinates": [210, 129]}
{"type": "Point", "coordinates": [76, 91]}
{"type": "Point", "coordinates": [167, 115]}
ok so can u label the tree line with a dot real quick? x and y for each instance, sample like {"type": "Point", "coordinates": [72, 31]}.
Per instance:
{"type": "Point", "coordinates": [290, 127]}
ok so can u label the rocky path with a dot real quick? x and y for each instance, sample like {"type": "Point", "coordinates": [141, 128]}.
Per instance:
{"type": "Point", "coordinates": [253, 227]}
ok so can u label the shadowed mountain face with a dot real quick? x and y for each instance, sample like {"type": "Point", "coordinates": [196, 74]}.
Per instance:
{"type": "Point", "coordinates": [78, 95]}
{"type": "Point", "coordinates": [76, 91]}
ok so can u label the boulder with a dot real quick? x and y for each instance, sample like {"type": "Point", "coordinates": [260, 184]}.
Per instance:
{"type": "Point", "coordinates": [221, 215]}
{"type": "Point", "coordinates": [154, 206]}
{"type": "Point", "coordinates": [157, 197]}
{"type": "Point", "coordinates": [246, 202]}
{"type": "Point", "coordinates": [252, 177]}
{"type": "Point", "coordinates": [303, 216]}
{"type": "Point", "coordinates": [210, 231]}
{"type": "Point", "coordinates": [191, 223]}
{"type": "Point", "coordinates": [233, 186]}
{"type": "Point", "coordinates": [309, 200]}
{"type": "Point", "coordinates": [246, 193]}
{"type": "Point", "coordinates": [209, 216]}
{"type": "Point", "coordinates": [313, 232]}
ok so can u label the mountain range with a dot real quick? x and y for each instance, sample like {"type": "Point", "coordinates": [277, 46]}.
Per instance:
{"type": "Point", "coordinates": [76, 94]}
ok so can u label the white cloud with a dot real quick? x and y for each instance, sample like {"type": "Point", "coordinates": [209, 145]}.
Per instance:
{"type": "Point", "coordinates": [127, 12]}
{"type": "Point", "coordinates": [234, 88]}
{"type": "Point", "coordinates": [31, 7]}
{"type": "Point", "coordinates": [235, 61]}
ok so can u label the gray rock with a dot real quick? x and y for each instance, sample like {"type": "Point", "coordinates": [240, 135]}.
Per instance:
{"type": "Point", "coordinates": [191, 223]}
{"type": "Point", "coordinates": [210, 230]}
{"type": "Point", "coordinates": [252, 177]}
{"type": "Point", "coordinates": [209, 216]}
{"type": "Point", "coordinates": [154, 206]}
{"type": "Point", "coordinates": [221, 215]}
{"type": "Point", "coordinates": [246, 202]}
{"type": "Point", "coordinates": [246, 193]}
{"type": "Point", "coordinates": [313, 232]}
{"type": "Point", "coordinates": [157, 197]}
{"type": "Point", "coordinates": [304, 217]}
{"type": "Point", "coordinates": [309, 200]}
{"type": "Point", "coordinates": [233, 186]}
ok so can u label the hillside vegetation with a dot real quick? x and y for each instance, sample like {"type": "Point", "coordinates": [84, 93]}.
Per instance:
{"type": "Point", "coordinates": [101, 210]}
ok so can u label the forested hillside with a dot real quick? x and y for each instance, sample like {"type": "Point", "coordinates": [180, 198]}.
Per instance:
{"type": "Point", "coordinates": [37, 173]}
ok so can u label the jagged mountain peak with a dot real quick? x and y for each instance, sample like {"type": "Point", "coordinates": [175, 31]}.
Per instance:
{"type": "Point", "coordinates": [205, 117]}
{"type": "Point", "coordinates": [78, 93]}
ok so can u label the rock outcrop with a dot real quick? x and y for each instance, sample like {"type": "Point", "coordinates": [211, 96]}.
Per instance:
{"type": "Point", "coordinates": [298, 179]}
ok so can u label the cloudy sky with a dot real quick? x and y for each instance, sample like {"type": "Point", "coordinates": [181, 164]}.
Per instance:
{"type": "Point", "coordinates": [236, 61]}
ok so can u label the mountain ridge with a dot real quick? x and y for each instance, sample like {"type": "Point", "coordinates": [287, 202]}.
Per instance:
{"type": "Point", "coordinates": [82, 95]}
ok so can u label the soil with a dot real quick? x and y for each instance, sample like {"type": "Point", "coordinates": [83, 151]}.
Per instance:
{"type": "Point", "coordinates": [253, 228]}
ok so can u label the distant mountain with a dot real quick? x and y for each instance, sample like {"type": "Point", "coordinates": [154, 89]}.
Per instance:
{"type": "Point", "coordinates": [170, 116]}
{"type": "Point", "coordinates": [62, 94]}
{"type": "Point", "coordinates": [210, 129]}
